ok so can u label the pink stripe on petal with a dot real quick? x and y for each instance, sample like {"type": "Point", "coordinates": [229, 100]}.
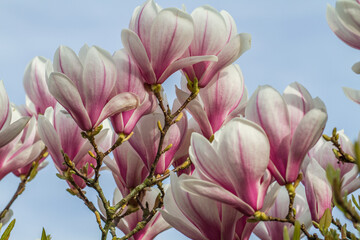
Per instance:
{"type": "Point", "coordinates": [135, 48]}
{"type": "Point", "coordinates": [51, 139]}
{"type": "Point", "coordinates": [171, 34]}
{"type": "Point", "coordinates": [305, 137]}
{"type": "Point", "coordinates": [65, 92]}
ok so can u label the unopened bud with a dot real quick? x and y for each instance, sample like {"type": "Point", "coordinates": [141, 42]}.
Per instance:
{"type": "Point", "coordinates": [178, 118]}
{"type": "Point", "coordinates": [159, 125]}
{"type": "Point", "coordinates": [45, 154]}
{"type": "Point", "coordinates": [326, 137]}
{"type": "Point", "coordinates": [91, 154]}
{"type": "Point", "coordinates": [334, 131]}
{"type": "Point", "coordinates": [337, 137]}
{"type": "Point", "coordinates": [167, 148]}
{"type": "Point", "coordinates": [336, 152]}
{"type": "Point", "coordinates": [349, 157]}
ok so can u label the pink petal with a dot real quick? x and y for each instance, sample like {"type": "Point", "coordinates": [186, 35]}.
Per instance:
{"type": "Point", "coordinates": [210, 31]}
{"type": "Point", "coordinates": [142, 21]}
{"type": "Point", "coordinates": [216, 192]}
{"type": "Point", "coordinates": [13, 130]}
{"type": "Point", "coordinates": [229, 54]}
{"type": "Point", "coordinates": [65, 92]}
{"type": "Point", "coordinates": [349, 12]}
{"type": "Point", "coordinates": [67, 62]}
{"type": "Point", "coordinates": [135, 48]}
{"type": "Point", "coordinates": [22, 159]}
{"type": "Point", "coordinates": [129, 78]}
{"type": "Point", "coordinates": [171, 34]}
{"type": "Point", "coordinates": [345, 32]}
{"type": "Point", "coordinates": [98, 81]}
{"type": "Point", "coordinates": [352, 94]}
{"type": "Point", "coordinates": [305, 137]}
{"type": "Point", "coordinates": [35, 83]}
{"type": "Point", "coordinates": [49, 136]}
{"type": "Point", "coordinates": [267, 108]}
{"type": "Point", "coordinates": [318, 191]}
{"type": "Point", "coordinates": [246, 162]}
{"type": "Point", "coordinates": [146, 137]}
{"type": "Point", "coordinates": [299, 102]}
{"type": "Point", "coordinates": [120, 103]}
{"type": "Point", "coordinates": [222, 95]}
{"type": "Point", "coordinates": [184, 62]}
{"type": "Point", "coordinates": [230, 25]}
{"type": "Point", "coordinates": [196, 109]}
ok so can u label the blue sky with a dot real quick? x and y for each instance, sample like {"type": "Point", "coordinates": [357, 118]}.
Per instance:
{"type": "Point", "coordinates": [291, 41]}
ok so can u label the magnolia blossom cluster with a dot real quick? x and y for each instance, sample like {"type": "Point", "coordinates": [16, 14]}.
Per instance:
{"type": "Point", "coordinates": [243, 150]}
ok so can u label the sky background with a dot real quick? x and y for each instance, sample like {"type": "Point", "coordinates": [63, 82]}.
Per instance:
{"type": "Point", "coordinates": [291, 41]}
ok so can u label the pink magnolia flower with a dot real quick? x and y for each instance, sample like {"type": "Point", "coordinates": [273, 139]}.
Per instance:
{"type": "Point", "coordinates": [83, 86]}
{"type": "Point", "coordinates": [293, 123]}
{"type": "Point", "coordinates": [323, 154]}
{"type": "Point", "coordinates": [129, 79]}
{"type": "Point", "coordinates": [198, 217]}
{"type": "Point", "coordinates": [9, 128]}
{"type": "Point", "coordinates": [221, 100]}
{"type": "Point", "coordinates": [127, 167]}
{"type": "Point", "coordinates": [274, 230]}
{"type": "Point", "coordinates": [146, 139]}
{"type": "Point", "coordinates": [35, 86]}
{"type": "Point", "coordinates": [157, 39]}
{"type": "Point", "coordinates": [156, 225]}
{"type": "Point", "coordinates": [60, 133]}
{"type": "Point", "coordinates": [344, 21]}
{"type": "Point", "coordinates": [233, 168]}
{"type": "Point", "coordinates": [317, 188]}
{"type": "Point", "coordinates": [215, 34]}
{"type": "Point", "coordinates": [21, 151]}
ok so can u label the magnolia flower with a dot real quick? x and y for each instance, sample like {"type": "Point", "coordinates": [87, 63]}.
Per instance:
{"type": "Point", "coordinates": [344, 21]}
{"type": "Point", "coordinates": [21, 151]}
{"type": "Point", "coordinates": [127, 223]}
{"type": "Point", "coordinates": [39, 97]}
{"type": "Point", "coordinates": [274, 230]}
{"type": "Point", "coordinates": [61, 134]}
{"type": "Point", "coordinates": [323, 154]}
{"type": "Point", "coordinates": [127, 167]}
{"type": "Point", "coordinates": [146, 139]}
{"type": "Point", "coordinates": [83, 86]}
{"type": "Point", "coordinates": [293, 123]}
{"type": "Point", "coordinates": [9, 128]}
{"type": "Point", "coordinates": [215, 34]}
{"type": "Point", "coordinates": [233, 168]}
{"type": "Point", "coordinates": [221, 100]}
{"type": "Point", "coordinates": [317, 188]}
{"type": "Point", "coordinates": [129, 79]}
{"type": "Point", "coordinates": [197, 217]}
{"type": "Point", "coordinates": [157, 39]}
